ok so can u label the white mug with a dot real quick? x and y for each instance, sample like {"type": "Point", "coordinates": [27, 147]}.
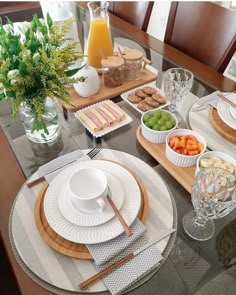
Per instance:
{"type": "Point", "coordinates": [88, 189]}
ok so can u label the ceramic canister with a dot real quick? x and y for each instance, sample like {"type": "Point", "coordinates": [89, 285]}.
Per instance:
{"type": "Point", "coordinates": [91, 84]}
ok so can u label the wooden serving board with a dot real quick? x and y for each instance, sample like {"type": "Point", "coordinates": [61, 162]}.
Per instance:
{"type": "Point", "coordinates": [223, 129]}
{"type": "Point", "coordinates": [185, 176]}
{"type": "Point", "coordinates": [69, 248]}
{"type": "Point", "coordinates": [79, 102]}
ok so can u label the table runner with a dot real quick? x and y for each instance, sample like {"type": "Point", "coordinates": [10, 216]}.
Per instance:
{"type": "Point", "coordinates": [199, 122]}
{"type": "Point", "coordinates": [71, 271]}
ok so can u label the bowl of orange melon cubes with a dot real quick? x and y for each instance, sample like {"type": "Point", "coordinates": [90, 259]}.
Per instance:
{"type": "Point", "coordinates": [184, 146]}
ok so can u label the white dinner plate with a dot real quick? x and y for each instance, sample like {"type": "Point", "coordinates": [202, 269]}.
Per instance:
{"type": "Point", "coordinates": [226, 112]}
{"type": "Point", "coordinates": [100, 233]}
{"type": "Point", "coordinates": [93, 217]}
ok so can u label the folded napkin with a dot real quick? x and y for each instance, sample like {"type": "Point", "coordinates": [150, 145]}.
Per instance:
{"type": "Point", "coordinates": [105, 254]}
{"type": "Point", "coordinates": [54, 167]}
{"type": "Point", "coordinates": [202, 103]}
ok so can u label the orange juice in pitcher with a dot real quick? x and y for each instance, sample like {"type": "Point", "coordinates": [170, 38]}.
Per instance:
{"type": "Point", "coordinates": [99, 38]}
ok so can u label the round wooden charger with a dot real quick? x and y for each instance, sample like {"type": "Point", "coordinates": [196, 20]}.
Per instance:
{"type": "Point", "coordinates": [69, 248]}
{"type": "Point", "coordinates": [223, 129]}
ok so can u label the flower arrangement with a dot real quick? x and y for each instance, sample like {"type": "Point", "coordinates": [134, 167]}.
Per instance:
{"type": "Point", "coordinates": [35, 64]}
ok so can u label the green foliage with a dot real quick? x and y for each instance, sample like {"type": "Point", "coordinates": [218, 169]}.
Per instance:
{"type": "Point", "coordinates": [35, 63]}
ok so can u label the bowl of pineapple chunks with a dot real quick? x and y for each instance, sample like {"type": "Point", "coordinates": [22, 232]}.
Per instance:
{"type": "Point", "coordinates": [157, 124]}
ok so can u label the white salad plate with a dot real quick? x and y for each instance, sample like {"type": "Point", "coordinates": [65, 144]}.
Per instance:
{"type": "Point", "coordinates": [92, 234]}
{"type": "Point", "coordinates": [91, 217]}
{"type": "Point", "coordinates": [226, 112]}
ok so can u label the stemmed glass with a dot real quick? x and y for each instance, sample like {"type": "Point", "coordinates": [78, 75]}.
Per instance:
{"type": "Point", "coordinates": [213, 196]}
{"type": "Point", "coordinates": [177, 83]}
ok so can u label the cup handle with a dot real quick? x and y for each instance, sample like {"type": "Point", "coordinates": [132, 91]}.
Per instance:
{"type": "Point", "coordinates": [101, 203]}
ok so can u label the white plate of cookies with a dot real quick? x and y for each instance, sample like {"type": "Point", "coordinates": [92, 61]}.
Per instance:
{"type": "Point", "coordinates": [145, 98]}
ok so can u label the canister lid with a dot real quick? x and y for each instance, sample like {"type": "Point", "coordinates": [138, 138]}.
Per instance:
{"type": "Point", "coordinates": [112, 62]}
{"type": "Point", "coordinates": [132, 54]}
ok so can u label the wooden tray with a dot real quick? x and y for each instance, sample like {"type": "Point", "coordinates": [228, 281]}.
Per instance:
{"type": "Point", "coordinates": [79, 102]}
{"type": "Point", "coordinates": [69, 248]}
{"type": "Point", "coordinates": [223, 129]}
{"type": "Point", "coordinates": [185, 176]}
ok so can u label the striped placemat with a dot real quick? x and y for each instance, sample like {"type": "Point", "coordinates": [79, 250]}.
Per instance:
{"type": "Point", "coordinates": [199, 122]}
{"type": "Point", "coordinates": [61, 274]}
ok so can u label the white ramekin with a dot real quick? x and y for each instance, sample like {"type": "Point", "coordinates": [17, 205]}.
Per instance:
{"type": "Point", "coordinates": [221, 155]}
{"type": "Point", "coordinates": [183, 160]}
{"type": "Point", "coordinates": [156, 136]}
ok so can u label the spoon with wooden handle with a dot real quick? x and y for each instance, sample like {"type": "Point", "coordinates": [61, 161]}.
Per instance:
{"type": "Point", "coordinates": [118, 215]}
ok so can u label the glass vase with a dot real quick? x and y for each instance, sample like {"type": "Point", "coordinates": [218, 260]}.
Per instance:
{"type": "Point", "coordinates": [50, 118]}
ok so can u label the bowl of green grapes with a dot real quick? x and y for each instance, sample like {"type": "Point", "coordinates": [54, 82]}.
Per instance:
{"type": "Point", "coordinates": [157, 124]}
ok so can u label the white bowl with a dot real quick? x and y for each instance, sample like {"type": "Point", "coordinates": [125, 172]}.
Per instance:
{"type": "Point", "coordinates": [183, 160]}
{"type": "Point", "coordinates": [156, 136]}
{"type": "Point", "coordinates": [221, 155]}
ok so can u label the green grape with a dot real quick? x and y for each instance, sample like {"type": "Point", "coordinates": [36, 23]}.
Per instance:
{"type": "Point", "coordinates": [165, 117]}
{"type": "Point", "coordinates": [168, 124]}
{"type": "Point", "coordinates": [157, 127]}
{"type": "Point", "coordinates": [148, 124]}
{"type": "Point", "coordinates": [146, 117]}
{"type": "Point", "coordinates": [152, 121]}
{"type": "Point", "coordinates": [163, 128]}
{"type": "Point", "coordinates": [157, 114]}
{"type": "Point", "coordinates": [161, 122]}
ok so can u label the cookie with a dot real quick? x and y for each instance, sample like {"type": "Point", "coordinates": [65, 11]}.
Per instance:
{"type": "Point", "coordinates": [149, 90]}
{"type": "Point", "coordinates": [143, 106]}
{"type": "Point", "coordinates": [134, 98]}
{"type": "Point", "coordinates": [140, 93]}
{"type": "Point", "coordinates": [159, 98]}
{"type": "Point", "coordinates": [150, 101]}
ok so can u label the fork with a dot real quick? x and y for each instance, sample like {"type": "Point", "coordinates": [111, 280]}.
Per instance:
{"type": "Point", "coordinates": [91, 154]}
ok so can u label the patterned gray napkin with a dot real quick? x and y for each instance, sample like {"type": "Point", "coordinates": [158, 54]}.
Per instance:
{"type": "Point", "coordinates": [105, 254]}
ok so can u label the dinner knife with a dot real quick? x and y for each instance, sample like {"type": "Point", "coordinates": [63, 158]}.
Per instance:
{"type": "Point", "coordinates": [155, 238]}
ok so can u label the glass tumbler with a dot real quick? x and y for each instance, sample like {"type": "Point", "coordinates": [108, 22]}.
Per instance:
{"type": "Point", "coordinates": [177, 83]}
{"type": "Point", "coordinates": [213, 196]}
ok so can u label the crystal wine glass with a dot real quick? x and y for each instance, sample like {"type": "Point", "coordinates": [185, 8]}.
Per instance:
{"type": "Point", "coordinates": [213, 196]}
{"type": "Point", "coordinates": [177, 83]}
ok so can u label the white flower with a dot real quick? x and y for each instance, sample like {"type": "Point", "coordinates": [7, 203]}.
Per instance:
{"type": "Point", "coordinates": [36, 56]}
{"type": "Point", "coordinates": [24, 27]}
{"type": "Point", "coordinates": [39, 35]}
{"type": "Point", "coordinates": [13, 74]}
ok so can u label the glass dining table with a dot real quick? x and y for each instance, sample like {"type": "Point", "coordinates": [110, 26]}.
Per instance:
{"type": "Point", "coordinates": [192, 267]}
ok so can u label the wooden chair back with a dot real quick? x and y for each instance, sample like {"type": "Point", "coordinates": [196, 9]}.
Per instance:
{"type": "Point", "coordinates": [204, 31]}
{"type": "Point", "coordinates": [135, 12]}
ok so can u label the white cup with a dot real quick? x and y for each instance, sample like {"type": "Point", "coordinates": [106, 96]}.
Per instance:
{"type": "Point", "coordinates": [88, 189]}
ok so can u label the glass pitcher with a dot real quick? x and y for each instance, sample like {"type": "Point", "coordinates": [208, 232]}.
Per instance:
{"type": "Point", "coordinates": [99, 38]}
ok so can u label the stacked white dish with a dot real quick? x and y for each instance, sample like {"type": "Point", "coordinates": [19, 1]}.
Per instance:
{"type": "Point", "coordinates": [226, 111]}
{"type": "Point", "coordinates": [92, 226]}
